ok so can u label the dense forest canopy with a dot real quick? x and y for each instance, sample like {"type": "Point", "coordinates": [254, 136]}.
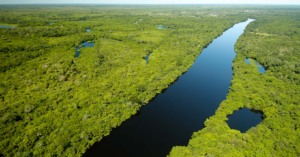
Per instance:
{"type": "Point", "coordinates": [54, 104]}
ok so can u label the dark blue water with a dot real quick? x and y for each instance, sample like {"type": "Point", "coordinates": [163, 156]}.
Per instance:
{"type": "Point", "coordinates": [147, 58]}
{"type": "Point", "coordinates": [3, 26]}
{"type": "Point", "coordinates": [244, 119]}
{"type": "Point", "coordinates": [88, 30]}
{"type": "Point", "coordinates": [261, 68]}
{"type": "Point", "coordinates": [86, 44]}
{"type": "Point", "coordinates": [172, 117]}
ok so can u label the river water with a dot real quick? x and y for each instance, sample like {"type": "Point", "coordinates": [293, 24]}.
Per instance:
{"type": "Point", "coordinates": [172, 117]}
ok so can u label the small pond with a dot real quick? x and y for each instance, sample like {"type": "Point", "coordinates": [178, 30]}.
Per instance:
{"type": "Point", "coordinates": [261, 69]}
{"type": "Point", "coordinates": [244, 119]}
{"type": "Point", "coordinates": [135, 23]}
{"type": "Point", "coordinates": [140, 19]}
{"type": "Point", "coordinates": [50, 23]}
{"type": "Point", "coordinates": [147, 58]}
{"type": "Point", "coordinates": [88, 30]}
{"type": "Point", "coordinates": [83, 45]}
{"type": "Point", "coordinates": [161, 27]}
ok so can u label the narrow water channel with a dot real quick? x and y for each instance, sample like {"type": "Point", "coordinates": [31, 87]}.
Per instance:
{"type": "Point", "coordinates": [172, 117]}
{"type": "Point", "coordinates": [3, 26]}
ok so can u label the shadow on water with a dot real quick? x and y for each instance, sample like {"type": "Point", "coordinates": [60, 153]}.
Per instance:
{"type": "Point", "coordinates": [244, 118]}
{"type": "Point", "coordinates": [171, 118]}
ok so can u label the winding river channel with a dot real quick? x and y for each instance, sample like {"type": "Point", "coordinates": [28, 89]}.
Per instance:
{"type": "Point", "coordinates": [172, 117]}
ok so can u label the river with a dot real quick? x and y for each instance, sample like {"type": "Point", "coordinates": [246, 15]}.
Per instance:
{"type": "Point", "coordinates": [172, 117]}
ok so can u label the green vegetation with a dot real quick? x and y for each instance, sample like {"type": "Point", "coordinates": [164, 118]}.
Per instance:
{"type": "Point", "coordinates": [52, 107]}
{"type": "Point", "coordinates": [274, 41]}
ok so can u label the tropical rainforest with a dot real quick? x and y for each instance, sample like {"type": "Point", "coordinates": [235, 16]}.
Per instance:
{"type": "Point", "coordinates": [56, 103]}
